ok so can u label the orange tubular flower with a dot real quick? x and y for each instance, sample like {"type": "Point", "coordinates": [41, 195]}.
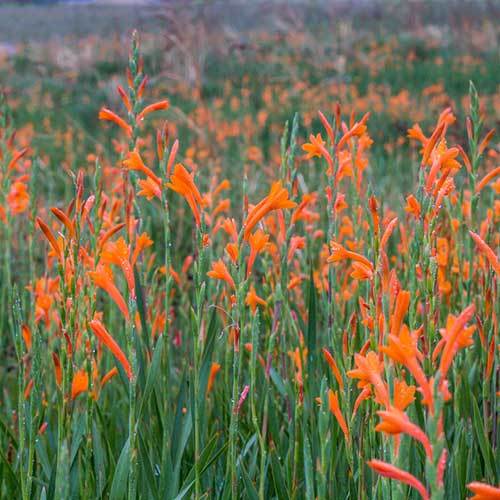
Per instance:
{"type": "Point", "coordinates": [15, 158]}
{"type": "Point", "coordinates": [333, 366]}
{"type": "Point", "coordinates": [65, 220]}
{"type": "Point", "coordinates": [252, 300]}
{"type": "Point", "coordinates": [232, 251]}
{"type": "Point", "coordinates": [103, 278]}
{"type": "Point", "coordinates": [134, 162]}
{"type": "Point", "coordinates": [51, 239]}
{"type": "Point", "coordinates": [102, 334]}
{"type": "Point", "coordinates": [214, 370]}
{"type": "Point", "coordinates": [452, 337]}
{"type": "Point", "coordinates": [483, 491]}
{"type": "Point", "coordinates": [157, 106]}
{"type": "Point", "coordinates": [219, 272]}
{"type": "Point", "coordinates": [108, 115]}
{"type": "Point", "coordinates": [296, 243]}
{"type": "Point", "coordinates": [275, 200]}
{"type": "Point", "coordinates": [413, 206]}
{"type": "Point", "coordinates": [395, 421]}
{"type": "Point", "coordinates": [118, 253]}
{"type": "Point", "coordinates": [403, 350]}
{"type": "Point", "coordinates": [400, 310]}
{"type": "Point", "coordinates": [333, 404]}
{"type": "Point", "coordinates": [487, 178]}
{"type": "Point", "coordinates": [392, 472]}
{"type": "Point", "coordinates": [182, 182]}
{"type": "Point", "coordinates": [368, 370]}
{"type": "Point", "coordinates": [80, 383]}
{"type": "Point", "coordinates": [257, 242]}
{"type": "Point", "coordinates": [339, 253]}
{"type": "Point", "coordinates": [487, 251]}
{"type": "Point", "coordinates": [18, 198]}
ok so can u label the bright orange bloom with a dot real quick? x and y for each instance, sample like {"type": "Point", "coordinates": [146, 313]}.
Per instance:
{"type": "Point", "coordinates": [400, 310]}
{"type": "Point", "coordinates": [18, 198]}
{"type": "Point", "coordinates": [233, 252]}
{"type": "Point", "coordinates": [182, 182]}
{"type": "Point", "coordinates": [368, 370]}
{"type": "Point", "coordinates": [333, 404]}
{"type": "Point", "coordinates": [315, 147]}
{"type": "Point", "coordinates": [483, 491]}
{"type": "Point", "coordinates": [340, 253]}
{"type": "Point", "coordinates": [454, 333]}
{"type": "Point", "coordinates": [296, 243]}
{"type": "Point", "coordinates": [392, 472]}
{"type": "Point", "coordinates": [149, 189]}
{"type": "Point", "coordinates": [26, 332]}
{"type": "Point", "coordinates": [483, 247]}
{"type": "Point", "coordinates": [403, 349]}
{"type": "Point", "coordinates": [257, 242]}
{"type": "Point", "coordinates": [387, 233]}
{"type": "Point", "coordinates": [214, 370]}
{"type": "Point", "coordinates": [134, 162]}
{"type": "Point", "coordinates": [108, 376]}
{"type": "Point", "coordinates": [157, 106]}
{"type": "Point", "coordinates": [104, 337]}
{"type": "Point", "coordinates": [395, 421]}
{"type": "Point", "coordinates": [51, 238]}
{"type": "Point", "coordinates": [361, 272]}
{"type": "Point", "coordinates": [80, 383]}
{"type": "Point", "coordinates": [333, 366]}
{"type": "Point", "coordinates": [275, 200]}
{"type": "Point", "coordinates": [412, 206]}
{"type": "Point", "coordinates": [142, 242]}
{"type": "Point", "coordinates": [118, 253]}
{"type": "Point", "coordinates": [487, 178]}
{"type": "Point", "coordinates": [103, 278]}
{"type": "Point", "coordinates": [125, 98]}
{"type": "Point", "coordinates": [68, 223]}
{"type": "Point", "coordinates": [219, 272]}
{"type": "Point", "coordinates": [252, 300]}
{"type": "Point", "coordinates": [107, 114]}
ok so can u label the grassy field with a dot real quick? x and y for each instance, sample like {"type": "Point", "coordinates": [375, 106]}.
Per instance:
{"type": "Point", "coordinates": [250, 251]}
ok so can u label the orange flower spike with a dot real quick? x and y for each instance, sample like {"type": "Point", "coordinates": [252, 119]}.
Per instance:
{"type": "Point", "coordinates": [483, 491]}
{"type": "Point", "coordinates": [387, 233]}
{"type": "Point", "coordinates": [182, 183]}
{"type": "Point", "coordinates": [65, 220]}
{"type": "Point", "coordinates": [333, 404]}
{"type": "Point", "coordinates": [339, 253]}
{"type": "Point", "coordinates": [315, 147]}
{"type": "Point", "coordinates": [257, 242]}
{"type": "Point", "coordinates": [104, 337]}
{"type": "Point", "coordinates": [487, 178]}
{"type": "Point", "coordinates": [275, 200]}
{"type": "Point", "coordinates": [149, 189]}
{"type": "Point", "coordinates": [104, 279]}
{"type": "Point", "coordinates": [108, 115]}
{"type": "Point", "coordinates": [452, 335]}
{"type": "Point", "coordinates": [134, 162]}
{"type": "Point", "coordinates": [328, 127]}
{"type": "Point", "coordinates": [171, 157]}
{"type": "Point", "coordinates": [413, 206]}
{"type": "Point", "coordinates": [157, 106]}
{"type": "Point", "coordinates": [393, 472]}
{"type": "Point", "coordinates": [361, 272]}
{"type": "Point", "coordinates": [252, 300]}
{"type": "Point", "coordinates": [125, 98]}
{"type": "Point", "coordinates": [333, 366]}
{"type": "Point", "coordinates": [401, 308]}
{"type": "Point", "coordinates": [232, 251]}
{"type": "Point", "coordinates": [110, 232]}
{"type": "Point", "coordinates": [487, 251]}
{"type": "Point", "coordinates": [80, 383]}
{"type": "Point", "coordinates": [51, 239]}
{"type": "Point", "coordinates": [219, 272]}
{"type": "Point", "coordinates": [395, 421]}
{"type": "Point", "coordinates": [214, 370]}
{"type": "Point", "coordinates": [429, 146]}
{"type": "Point", "coordinates": [368, 371]}
{"type": "Point", "coordinates": [404, 394]}
{"type": "Point", "coordinates": [118, 253]}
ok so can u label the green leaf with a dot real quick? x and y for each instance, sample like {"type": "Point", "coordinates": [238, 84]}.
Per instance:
{"type": "Point", "coordinates": [119, 485]}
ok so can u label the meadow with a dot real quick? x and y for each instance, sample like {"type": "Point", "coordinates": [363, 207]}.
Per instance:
{"type": "Point", "coordinates": [250, 252]}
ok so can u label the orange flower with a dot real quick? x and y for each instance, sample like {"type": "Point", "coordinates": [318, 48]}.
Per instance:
{"type": "Point", "coordinates": [392, 472]}
{"type": "Point", "coordinates": [333, 366]}
{"type": "Point", "coordinates": [315, 147]}
{"type": "Point", "coordinates": [395, 421]}
{"type": "Point", "coordinates": [368, 370]}
{"type": "Point", "coordinates": [296, 243]}
{"type": "Point", "coordinates": [275, 200]}
{"type": "Point", "coordinates": [142, 242]}
{"type": "Point", "coordinates": [18, 198]}
{"type": "Point", "coordinates": [107, 114]}
{"type": "Point", "coordinates": [252, 299]}
{"type": "Point", "coordinates": [68, 223]}
{"type": "Point", "coordinates": [157, 106]}
{"type": "Point", "coordinates": [51, 239]}
{"type": "Point", "coordinates": [488, 252]}
{"type": "Point", "coordinates": [104, 337]}
{"type": "Point", "coordinates": [80, 383]}
{"type": "Point", "coordinates": [182, 182]}
{"type": "Point", "coordinates": [219, 272]}
{"type": "Point", "coordinates": [483, 491]}
{"type": "Point", "coordinates": [57, 368]}
{"type": "Point", "coordinates": [412, 206]}
{"type": "Point", "coordinates": [404, 394]}
{"type": "Point", "coordinates": [339, 253]}
{"type": "Point", "coordinates": [487, 178]}
{"type": "Point", "coordinates": [232, 251]}
{"type": "Point", "coordinates": [361, 272]}
{"type": "Point", "coordinates": [214, 370]}
{"type": "Point", "coordinates": [257, 242]}
{"type": "Point", "coordinates": [117, 252]}
{"type": "Point", "coordinates": [403, 350]}
{"type": "Point", "coordinates": [134, 162]}
{"type": "Point", "coordinates": [103, 278]}
{"type": "Point", "coordinates": [149, 189]}
{"type": "Point", "coordinates": [333, 404]}
{"type": "Point", "coordinates": [400, 309]}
